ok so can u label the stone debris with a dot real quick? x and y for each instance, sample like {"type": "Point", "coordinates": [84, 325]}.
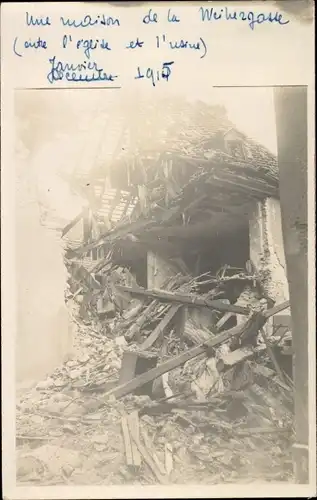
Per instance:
{"type": "Point", "coordinates": [215, 417]}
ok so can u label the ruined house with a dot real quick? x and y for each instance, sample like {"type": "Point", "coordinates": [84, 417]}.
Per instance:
{"type": "Point", "coordinates": [180, 190]}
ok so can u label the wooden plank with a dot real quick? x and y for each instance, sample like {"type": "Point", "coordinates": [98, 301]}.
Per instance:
{"type": "Point", "coordinates": [73, 223]}
{"type": "Point", "coordinates": [276, 309]}
{"type": "Point", "coordinates": [144, 316]}
{"type": "Point", "coordinates": [126, 205]}
{"type": "Point", "coordinates": [179, 360]}
{"type": "Point", "coordinates": [167, 390]}
{"type": "Point", "coordinates": [121, 231]}
{"type": "Point", "coordinates": [272, 356]}
{"type": "Point", "coordinates": [127, 441]}
{"type": "Point", "coordinates": [133, 423]}
{"type": "Point", "coordinates": [250, 327]}
{"type": "Point", "coordinates": [190, 299]}
{"type": "Point", "coordinates": [160, 328]}
{"type": "Point", "coordinates": [149, 445]}
{"type": "Point", "coordinates": [114, 203]}
{"type": "Point", "coordinates": [234, 357]}
{"type": "Point", "coordinates": [84, 276]}
{"type": "Point", "coordinates": [182, 317]}
{"type": "Point", "coordinates": [224, 320]}
{"type": "Point", "coordinates": [168, 458]}
{"type": "Point", "coordinates": [87, 226]}
{"type": "Point", "coordinates": [146, 454]}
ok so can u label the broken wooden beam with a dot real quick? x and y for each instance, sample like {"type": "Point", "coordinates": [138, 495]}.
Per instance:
{"type": "Point", "coordinates": [276, 309]}
{"type": "Point", "coordinates": [127, 441]}
{"type": "Point", "coordinates": [82, 275]}
{"type": "Point", "coordinates": [161, 328]}
{"type": "Point", "coordinates": [270, 351]}
{"type": "Point", "coordinates": [250, 327]}
{"type": "Point", "coordinates": [234, 357]}
{"type": "Point", "coordinates": [132, 385]}
{"type": "Point", "coordinates": [134, 427]}
{"type": "Point", "coordinates": [135, 329]}
{"type": "Point", "coordinates": [148, 458]}
{"type": "Point", "coordinates": [181, 321]}
{"type": "Point", "coordinates": [224, 320]}
{"type": "Point", "coordinates": [73, 223]}
{"type": "Point", "coordinates": [135, 363]}
{"type": "Point", "coordinates": [149, 445]}
{"type": "Point", "coordinates": [190, 299]}
{"type": "Point", "coordinates": [122, 230]}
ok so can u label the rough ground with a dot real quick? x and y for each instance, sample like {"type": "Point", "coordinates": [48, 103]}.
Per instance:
{"type": "Point", "coordinates": [74, 437]}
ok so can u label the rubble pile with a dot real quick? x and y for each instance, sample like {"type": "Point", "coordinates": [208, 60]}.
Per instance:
{"type": "Point", "coordinates": [156, 392]}
{"type": "Point", "coordinates": [182, 372]}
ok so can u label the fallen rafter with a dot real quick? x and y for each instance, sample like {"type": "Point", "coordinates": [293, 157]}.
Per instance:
{"type": "Point", "coordinates": [250, 327]}
{"type": "Point", "coordinates": [188, 299]}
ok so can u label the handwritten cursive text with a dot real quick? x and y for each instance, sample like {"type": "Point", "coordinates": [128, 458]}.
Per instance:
{"type": "Point", "coordinates": [88, 71]}
{"type": "Point", "coordinates": [253, 18]}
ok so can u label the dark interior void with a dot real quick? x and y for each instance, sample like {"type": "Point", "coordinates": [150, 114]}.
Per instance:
{"type": "Point", "coordinates": [209, 255]}
{"type": "Point", "coordinates": [200, 254]}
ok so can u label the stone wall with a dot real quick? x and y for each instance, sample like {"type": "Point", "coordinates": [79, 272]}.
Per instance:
{"type": "Point", "coordinates": [267, 249]}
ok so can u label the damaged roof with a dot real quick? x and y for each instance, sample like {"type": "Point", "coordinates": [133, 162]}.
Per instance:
{"type": "Point", "coordinates": [194, 129]}
{"type": "Point", "coordinates": [173, 160]}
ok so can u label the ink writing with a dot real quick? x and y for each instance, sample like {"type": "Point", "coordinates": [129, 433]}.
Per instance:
{"type": "Point", "coordinates": [37, 21]}
{"type": "Point", "coordinates": [134, 44]}
{"type": "Point", "coordinates": [172, 18]}
{"type": "Point", "coordinates": [88, 35]}
{"type": "Point", "coordinates": [88, 71]}
{"type": "Point", "coordinates": [155, 75]}
{"type": "Point", "coordinates": [224, 14]}
{"type": "Point", "coordinates": [199, 45]}
{"type": "Point", "coordinates": [28, 44]}
{"type": "Point", "coordinates": [88, 21]}
{"type": "Point", "coordinates": [150, 17]}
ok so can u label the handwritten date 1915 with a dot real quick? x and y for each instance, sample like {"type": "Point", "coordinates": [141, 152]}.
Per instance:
{"type": "Point", "coordinates": [155, 75]}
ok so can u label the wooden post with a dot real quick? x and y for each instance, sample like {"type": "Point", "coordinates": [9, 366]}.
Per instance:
{"type": "Point", "coordinates": [291, 121]}
{"type": "Point", "coordinates": [182, 317]}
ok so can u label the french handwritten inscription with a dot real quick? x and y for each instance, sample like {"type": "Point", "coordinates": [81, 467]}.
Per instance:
{"type": "Point", "coordinates": [79, 37]}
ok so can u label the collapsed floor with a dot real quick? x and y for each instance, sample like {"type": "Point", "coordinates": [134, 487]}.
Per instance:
{"type": "Point", "coordinates": [171, 386]}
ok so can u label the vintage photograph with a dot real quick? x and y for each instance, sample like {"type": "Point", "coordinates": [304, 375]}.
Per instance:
{"type": "Point", "coordinates": [161, 275]}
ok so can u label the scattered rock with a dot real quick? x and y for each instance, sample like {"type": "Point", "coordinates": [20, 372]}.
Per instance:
{"type": "Point", "coordinates": [75, 374]}
{"type": "Point", "coordinates": [48, 460]}
{"type": "Point", "coordinates": [84, 358]}
{"type": "Point", "coordinates": [56, 432]}
{"type": "Point", "coordinates": [67, 470]}
{"type": "Point", "coordinates": [73, 409]}
{"type": "Point", "coordinates": [67, 428]}
{"type": "Point", "coordinates": [121, 341]}
{"type": "Point", "coordinates": [87, 342]}
{"type": "Point", "coordinates": [45, 384]}
{"type": "Point", "coordinates": [99, 446]}
{"type": "Point", "coordinates": [71, 363]}
{"type": "Point", "coordinates": [36, 419]}
{"type": "Point", "coordinates": [29, 468]}
{"type": "Point", "coordinates": [60, 382]}
{"type": "Point", "coordinates": [101, 438]}
{"type": "Point", "coordinates": [60, 397]}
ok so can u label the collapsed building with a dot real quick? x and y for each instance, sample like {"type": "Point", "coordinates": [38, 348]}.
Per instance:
{"type": "Point", "coordinates": [183, 191]}
{"type": "Point", "coordinates": [178, 259]}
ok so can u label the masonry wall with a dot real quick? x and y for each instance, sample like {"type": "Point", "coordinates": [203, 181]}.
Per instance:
{"type": "Point", "coordinates": [43, 329]}
{"type": "Point", "coordinates": [267, 249]}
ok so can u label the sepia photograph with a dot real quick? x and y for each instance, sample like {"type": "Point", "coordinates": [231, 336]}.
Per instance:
{"type": "Point", "coordinates": [162, 287]}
